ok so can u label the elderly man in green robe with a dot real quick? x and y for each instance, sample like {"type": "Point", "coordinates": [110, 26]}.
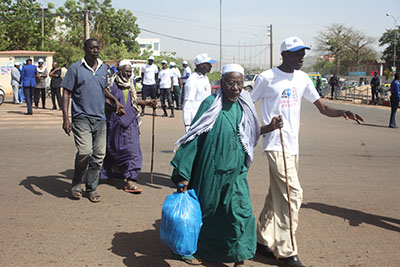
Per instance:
{"type": "Point", "coordinates": [213, 159]}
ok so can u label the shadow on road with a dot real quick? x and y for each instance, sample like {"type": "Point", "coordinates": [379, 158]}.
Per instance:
{"type": "Point", "coordinates": [141, 248]}
{"type": "Point", "coordinates": [50, 184]}
{"type": "Point", "coordinates": [159, 179]}
{"type": "Point", "coordinates": [374, 125]}
{"type": "Point", "coordinates": [355, 217]}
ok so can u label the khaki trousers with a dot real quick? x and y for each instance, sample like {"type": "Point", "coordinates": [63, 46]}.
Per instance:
{"type": "Point", "coordinates": [273, 227]}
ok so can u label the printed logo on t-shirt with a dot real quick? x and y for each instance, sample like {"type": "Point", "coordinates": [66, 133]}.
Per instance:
{"type": "Point", "coordinates": [289, 97]}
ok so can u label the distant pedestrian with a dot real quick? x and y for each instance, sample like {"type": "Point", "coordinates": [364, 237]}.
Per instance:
{"type": "Point", "coordinates": [318, 86]}
{"type": "Point", "coordinates": [149, 74]}
{"type": "Point", "coordinates": [333, 82]}
{"type": "Point", "coordinates": [186, 74]}
{"type": "Point", "coordinates": [176, 94]}
{"type": "Point", "coordinates": [165, 87]}
{"type": "Point", "coordinates": [28, 82]}
{"type": "Point", "coordinates": [86, 82]}
{"type": "Point", "coordinates": [15, 77]}
{"type": "Point", "coordinates": [124, 158]}
{"type": "Point", "coordinates": [63, 71]}
{"type": "Point", "coordinates": [56, 79]}
{"type": "Point", "coordinates": [197, 88]}
{"type": "Point", "coordinates": [375, 83]}
{"type": "Point", "coordinates": [394, 100]}
{"type": "Point", "coordinates": [40, 90]}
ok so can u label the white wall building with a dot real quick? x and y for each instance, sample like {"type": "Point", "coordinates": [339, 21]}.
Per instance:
{"type": "Point", "coordinates": [150, 44]}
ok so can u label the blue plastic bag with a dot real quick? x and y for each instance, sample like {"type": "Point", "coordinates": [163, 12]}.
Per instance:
{"type": "Point", "coordinates": [181, 222]}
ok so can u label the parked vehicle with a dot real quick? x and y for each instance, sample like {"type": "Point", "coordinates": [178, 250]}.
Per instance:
{"type": "Point", "coordinates": [249, 80]}
{"type": "Point", "coordinates": [215, 85]}
{"type": "Point", "coordinates": [2, 95]}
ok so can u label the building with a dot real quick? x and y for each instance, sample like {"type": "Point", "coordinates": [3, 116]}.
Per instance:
{"type": "Point", "coordinates": [152, 44]}
{"type": "Point", "coordinates": [9, 58]}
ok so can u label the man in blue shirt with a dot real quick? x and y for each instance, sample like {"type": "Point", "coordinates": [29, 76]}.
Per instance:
{"type": "Point", "coordinates": [28, 82]}
{"type": "Point", "coordinates": [394, 100]}
{"type": "Point", "coordinates": [86, 82]}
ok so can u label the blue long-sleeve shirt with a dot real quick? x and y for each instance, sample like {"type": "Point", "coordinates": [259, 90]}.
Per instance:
{"type": "Point", "coordinates": [395, 88]}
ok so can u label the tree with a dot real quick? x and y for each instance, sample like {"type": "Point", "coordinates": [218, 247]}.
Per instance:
{"type": "Point", "coordinates": [350, 47]}
{"type": "Point", "coordinates": [388, 39]}
{"type": "Point", "coordinates": [21, 25]}
{"type": "Point", "coordinates": [359, 45]}
{"type": "Point", "coordinates": [332, 40]}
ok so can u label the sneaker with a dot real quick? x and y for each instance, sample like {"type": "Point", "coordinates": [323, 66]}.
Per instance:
{"type": "Point", "coordinates": [165, 115]}
{"type": "Point", "coordinates": [172, 115]}
{"type": "Point", "coordinates": [293, 261]}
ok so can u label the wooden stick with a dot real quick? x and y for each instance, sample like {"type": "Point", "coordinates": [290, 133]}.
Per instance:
{"type": "Point", "coordinates": [152, 146]}
{"type": "Point", "coordinates": [287, 188]}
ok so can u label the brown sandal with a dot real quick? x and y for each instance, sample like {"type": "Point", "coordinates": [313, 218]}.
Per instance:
{"type": "Point", "coordinates": [130, 187]}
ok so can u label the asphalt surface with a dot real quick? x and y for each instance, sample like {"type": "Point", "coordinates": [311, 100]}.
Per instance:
{"type": "Point", "coordinates": [350, 174]}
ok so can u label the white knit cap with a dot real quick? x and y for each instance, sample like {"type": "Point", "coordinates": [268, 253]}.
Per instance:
{"type": "Point", "coordinates": [232, 68]}
{"type": "Point", "coordinates": [124, 62]}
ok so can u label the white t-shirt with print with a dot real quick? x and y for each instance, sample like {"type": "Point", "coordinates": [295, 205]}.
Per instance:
{"type": "Point", "coordinates": [197, 88]}
{"type": "Point", "coordinates": [165, 78]}
{"type": "Point", "coordinates": [149, 72]}
{"type": "Point", "coordinates": [177, 74]}
{"type": "Point", "coordinates": [280, 94]}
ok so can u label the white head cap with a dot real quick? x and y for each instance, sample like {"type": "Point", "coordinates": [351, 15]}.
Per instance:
{"type": "Point", "coordinates": [293, 44]}
{"type": "Point", "coordinates": [203, 58]}
{"type": "Point", "coordinates": [184, 62]}
{"type": "Point", "coordinates": [151, 58]}
{"type": "Point", "coordinates": [232, 68]}
{"type": "Point", "coordinates": [172, 64]}
{"type": "Point", "coordinates": [124, 62]}
{"type": "Point", "coordinates": [40, 60]}
{"type": "Point", "coordinates": [164, 62]}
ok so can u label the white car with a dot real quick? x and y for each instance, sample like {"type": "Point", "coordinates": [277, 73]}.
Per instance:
{"type": "Point", "coordinates": [249, 80]}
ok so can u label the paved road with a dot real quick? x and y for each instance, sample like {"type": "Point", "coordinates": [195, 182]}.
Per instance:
{"type": "Point", "coordinates": [349, 172]}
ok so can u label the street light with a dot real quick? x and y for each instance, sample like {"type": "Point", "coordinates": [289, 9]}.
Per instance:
{"type": "Point", "coordinates": [395, 38]}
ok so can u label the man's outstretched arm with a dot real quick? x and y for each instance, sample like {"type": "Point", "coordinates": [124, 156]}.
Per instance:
{"type": "Point", "coordinates": [332, 112]}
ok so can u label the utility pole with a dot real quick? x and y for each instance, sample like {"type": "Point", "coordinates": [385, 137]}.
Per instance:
{"type": "Point", "coordinates": [86, 25]}
{"type": "Point", "coordinates": [271, 51]}
{"type": "Point", "coordinates": [42, 27]}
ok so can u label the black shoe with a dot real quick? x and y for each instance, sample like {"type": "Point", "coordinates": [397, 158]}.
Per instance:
{"type": "Point", "coordinates": [291, 261]}
{"type": "Point", "coordinates": [172, 115]}
{"type": "Point", "coordinates": [265, 251]}
{"type": "Point", "coordinates": [142, 114]}
{"type": "Point", "coordinates": [393, 126]}
{"type": "Point", "coordinates": [27, 113]}
{"type": "Point", "coordinates": [165, 115]}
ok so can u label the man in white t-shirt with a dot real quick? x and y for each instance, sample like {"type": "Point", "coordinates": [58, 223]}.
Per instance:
{"type": "Point", "coordinates": [149, 76]}
{"type": "Point", "coordinates": [186, 74]}
{"type": "Point", "coordinates": [281, 90]}
{"type": "Point", "coordinates": [165, 87]}
{"type": "Point", "coordinates": [197, 88]}
{"type": "Point", "coordinates": [176, 94]}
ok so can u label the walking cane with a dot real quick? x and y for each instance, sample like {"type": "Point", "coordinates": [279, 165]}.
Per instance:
{"type": "Point", "coordinates": [152, 146]}
{"type": "Point", "coordinates": [287, 188]}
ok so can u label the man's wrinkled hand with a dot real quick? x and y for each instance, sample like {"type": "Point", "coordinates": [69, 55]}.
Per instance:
{"type": "Point", "coordinates": [277, 122]}
{"type": "Point", "coordinates": [120, 110]}
{"type": "Point", "coordinates": [152, 103]}
{"type": "Point", "coordinates": [182, 186]}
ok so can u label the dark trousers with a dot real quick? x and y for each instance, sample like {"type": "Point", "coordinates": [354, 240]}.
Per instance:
{"type": "Point", "coordinates": [40, 92]}
{"type": "Point", "coordinates": [28, 92]}
{"type": "Point", "coordinates": [375, 94]}
{"type": "Point", "coordinates": [166, 94]}
{"type": "Point", "coordinates": [394, 103]}
{"type": "Point", "coordinates": [55, 93]}
{"type": "Point", "coordinates": [333, 88]}
{"type": "Point", "coordinates": [148, 91]}
{"type": "Point", "coordinates": [177, 96]}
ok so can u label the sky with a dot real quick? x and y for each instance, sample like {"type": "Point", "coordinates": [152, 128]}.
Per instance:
{"type": "Point", "coordinates": [246, 22]}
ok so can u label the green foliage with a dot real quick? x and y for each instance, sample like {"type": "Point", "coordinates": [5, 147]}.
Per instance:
{"type": "Point", "coordinates": [388, 39]}
{"type": "Point", "coordinates": [116, 30]}
{"type": "Point", "coordinates": [212, 76]}
{"type": "Point", "coordinates": [349, 46]}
